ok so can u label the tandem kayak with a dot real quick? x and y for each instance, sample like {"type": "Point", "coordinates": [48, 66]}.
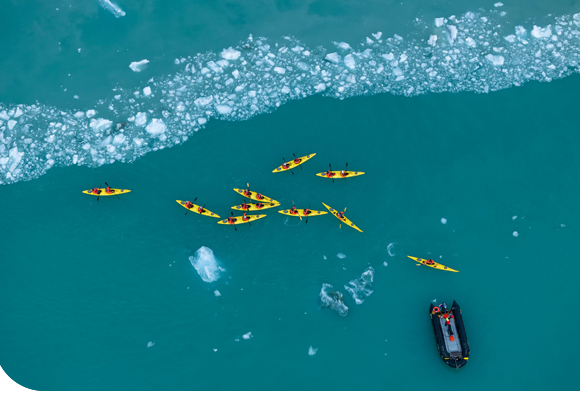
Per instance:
{"type": "Point", "coordinates": [104, 193]}
{"type": "Point", "coordinates": [291, 164]}
{"type": "Point", "coordinates": [239, 220]}
{"type": "Point", "coordinates": [435, 265]}
{"type": "Point", "coordinates": [337, 175]}
{"type": "Point", "coordinates": [300, 213]}
{"type": "Point", "coordinates": [345, 220]}
{"type": "Point", "coordinates": [195, 208]}
{"type": "Point", "coordinates": [256, 206]}
{"type": "Point", "coordinates": [253, 196]}
{"type": "Point", "coordinates": [451, 338]}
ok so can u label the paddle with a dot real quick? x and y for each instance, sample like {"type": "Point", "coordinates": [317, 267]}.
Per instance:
{"type": "Point", "coordinates": [188, 208]}
{"type": "Point", "coordinates": [231, 212]}
{"type": "Point", "coordinates": [116, 195]}
{"type": "Point", "coordinates": [346, 171]}
{"type": "Point", "coordinates": [98, 196]}
{"type": "Point", "coordinates": [285, 163]}
{"type": "Point", "coordinates": [330, 166]}
{"type": "Point", "coordinates": [298, 211]}
{"type": "Point", "coordinates": [296, 158]}
{"type": "Point", "coordinates": [309, 211]}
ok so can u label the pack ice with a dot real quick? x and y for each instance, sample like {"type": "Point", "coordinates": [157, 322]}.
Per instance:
{"type": "Point", "coordinates": [206, 264]}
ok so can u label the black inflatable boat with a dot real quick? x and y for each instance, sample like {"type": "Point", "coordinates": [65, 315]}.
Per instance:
{"type": "Point", "coordinates": [450, 334]}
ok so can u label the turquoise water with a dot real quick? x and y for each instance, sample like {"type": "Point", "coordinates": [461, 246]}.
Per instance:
{"type": "Point", "coordinates": [102, 295]}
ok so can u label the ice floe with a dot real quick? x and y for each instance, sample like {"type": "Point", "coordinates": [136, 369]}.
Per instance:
{"type": "Point", "coordinates": [341, 256]}
{"type": "Point", "coordinates": [248, 335]}
{"type": "Point", "coordinates": [361, 288]}
{"type": "Point", "coordinates": [333, 300]}
{"type": "Point", "coordinates": [138, 66]}
{"type": "Point", "coordinates": [206, 264]}
{"type": "Point", "coordinates": [516, 234]}
{"type": "Point", "coordinates": [217, 293]}
{"type": "Point", "coordinates": [112, 8]}
{"type": "Point", "coordinates": [443, 221]}
{"type": "Point", "coordinates": [474, 52]}
{"type": "Point", "coordinates": [312, 351]}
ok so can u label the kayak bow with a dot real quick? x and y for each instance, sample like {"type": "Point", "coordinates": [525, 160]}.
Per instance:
{"type": "Point", "coordinates": [291, 164]}
{"type": "Point", "coordinates": [436, 265]}
{"type": "Point", "coordinates": [195, 209]}
{"type": "Point", "coordinates": [345, 220]}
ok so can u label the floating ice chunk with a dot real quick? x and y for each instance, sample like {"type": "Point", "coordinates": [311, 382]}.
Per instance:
{"type": "Point", "coordinates": [90, 113]}
{"type": "Point", "coordinates": [391, 248]}
{"type": "Point", "coordinates": [349, 61]}
{"type": "Point", "coordinates": [432, 40]}
{"type": "Point", "coordinates": [498, 4]}
{"type": "Point", "coordinates": [140, 119]}
{"type": "Point", "coordinates": [516, 234]}
{"type": "Point", "coordinates": [217, 293]}
{"type": "Point", "coordinates": [343, 46]}
{"type": "Point", "coordinates": [118, 139]}
{"type": "Point", "coordinates": [155, 127]}
{"type": "Point", "coordinates": [361, 288]}
{"type": "Point", "coordinates": [540, 33]}
{"type": "Point", "coordinates": [576, 18]}
{"type": "Point", "coordinates": [149, 344]}
{"type": "Point", "coordinates": [495, 60]}
{"type": "Point", "coordinates": [324, 257]}
{"type": "Point", "coordinates": [388, 57]}
{"type": "Point", "coordinates": [138, 142]}
{"type": "Point", "coordinates": [510, 38]}
{"type": "Point", "coordinates": [385, 263]}
{"type": "Point", "coordinates": [112, 8]}
{"type": "Point", "coordinates": [79, 114]}
{"type": "Point", "coordinates": [11, 124]}
{"type": "Point", "coordinates": [100, 124]}
{"type": "Point", "coordinates": [521, 31]}
{"type": "Point", "coordinates": [110, 148]}
{"type": "Point", "coordinates": [280, 70]}
{"type": "Point", "coordinates": [452, 33]}
{"type": "Point", "coordinates": [332, 57]}
{"type": "Point", "coordinates": [312, 351]}
{"type": "Point", "coordinates": [206, 265]}
{"type": "Point", "coordinates": [16, 157]}
{"type": "Point", "coordinates": [470, 42]}
{"type": "Point", "coordinates": [18, 112]}
{"type": "Point", "coordinates": [439, 22]}
{"type": "Point", "coordinates": [333, 300]}
{"type": "Point", "coordinates": [248, 335]}
{"type": "Point", "coordinates": [320, 87]}
{"type": "Point", "coordinates": [223, 109]}
{"type": "Point", "coordinates": [203, 101]}
{"type": "Point", "coordinates": [443, 221]}
{"type": "Point", "coordinates": [341, 256]}
{"type": "Point", "coordinates": [398, 71]}
{"type": "Point", "coordinates": [285, 89]}
{"type": "Point", "coordinates": [147, 91]}
{"type": "Point", "coordinates": [230, 54]}
{"type": "Point", "coordinates": [378, 35]}
{"type": "Point", "coordinates": [4, 115]}
{"type": "Point", "coordinates": [138, 66]}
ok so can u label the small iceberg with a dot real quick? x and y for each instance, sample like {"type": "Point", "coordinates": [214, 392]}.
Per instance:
{"type": "Point", "coordinates": [206, 265]}
{"type": "Point", "coordinates": [138, 66]}
{"type": "Point", "coordinates": [333, 300]}
{"type": "Point", "coordinates": [361, 288]}
{"type": "Point", "coordinates": [112, 8]}
{"type": "Point", "coordinates": [312, 351]}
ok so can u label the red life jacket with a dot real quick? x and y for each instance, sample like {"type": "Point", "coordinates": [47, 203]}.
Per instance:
{"type": "Point", "coordinates": [188, 204]}
{"type": "Point", "coordinates": [96, 191]}
{"type": "Point", "coordinates": [297, 161]}
{"type": "Point", "coordinates": [245, 206]}
{"type": "Point", "coordinates": [293, 211]}
{"type": "Point", "coordinates": [259, 196]}
{"type": "Point", "coordinates": [231, 220]}
{"type": "Point", "coordinates": [259, 205]}
{"type": "Point", "coordinates": [343, 174]}
{"type": "Point", "coordinates": [329, 174]}
{"type": "Point", "coordinates": [341, 215]}
{"type": "Point", "coordinates": [244, 217]}
{"type": "Point", "coordinates": [285, 166]}
{"type": "Point", "coordinates": [247, 192]}
{"type": "Point", "coordinates": [201, 210]}
{"type": "Point", "coordinates": [306, 211]}
{"type": "Point", "coordinates": [108, 190]}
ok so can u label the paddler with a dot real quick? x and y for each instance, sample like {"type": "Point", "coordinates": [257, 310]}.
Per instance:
{"type": "Point", "coordinates": [297, 161]}
{"type": "Point", "coordinates": [343, 173]}
{"type": "Point", "coordinates": [247, 192]}
{"type": "Point", "coordinates": [245, 218]}
{"type": "Point", "coordinates": [285, 166]}
{"type": "Point", "coordinates": [259, 196]}
{"type": "Point", "coordinates": [201, 210]}
{"type": "Point", "coordinates": [293, 211]}
{"type": "Point", "coordinates": [259, 205]}
{"type": "Point", "coordinates": [306, 211]}
{"type": "Point", "coordinates": [340, 215]}
{"type": "Point", "coordinates": [96, 191]}
{"type": "Point", "coordinates": [430, 262]}
{"type": "Point", "coordinates": [109, 190]}
{"type": "Point", "coordinates": [329, 174]}
{"type": "Point", "coordinates": [245, 206]}
{"type": "Point", "coordinates": [188, 204]}
{"type": "Point", "coordinates": [231, 220]}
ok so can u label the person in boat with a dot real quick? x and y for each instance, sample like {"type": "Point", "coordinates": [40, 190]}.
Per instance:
{"type": "Point", "coordinates": [247, 192]}
{"type": "Point", "coordinates": [430, 262]}
{"type": "Point", "coordinates": [96, 191]}
{"type": "Point", "coordinates": [188, 204]}
{"type": "Point", "coordinates": [231, 220]}
{"type": "Point", "coordinates": [245, 218]}
{"type": "Point", "coordinates": [245, 206]}
{"type": "Point", "coordinates": [293, 211]}
{"type": "Point", "coordinates": [297, 161]}
{"type": "Point", "coordinates": [285, 166]}
{"type": "Point", "coordinates": [259, 205]}
{"type": "Point", "coordinates": [306, 211]}
{"type": "Point", "coordinates": [343, 173]}
{"type": "Point", "coordinates": [340, 215]}
{"type": "Point", "coordinates": [201, 210]}
{"type": "Point", "coordinates": [259, 196]}
{"type": "Point", "coordinates": [329, 174]}
{"type": "Point", "coordinates": [109, 190]}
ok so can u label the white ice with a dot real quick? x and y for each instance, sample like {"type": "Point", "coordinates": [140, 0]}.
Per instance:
{"type": "Point", "coordinates": [138, 66]}
{"type": "Point", "coordinates": [452, 33]}
{"type": "Point", "coordinates": [312, 351]}
{"type": "Point", "coordinates": [443, 221]}
{"type": "Point", "coordinates": [349, 61]}
{"type": "Point", "coordinates": [230, 54]}
{"type": "Point", "coordinates": [112, 8]}
{"type": "Point", "coordinates": [90, 113]}
{"type": "Point", "coordinates": [332, 57]}
{"type": "Point", "coordinates": [223, 109]}
{"type": "Point", "coordinates": [217, 293]}
{"type": "Point", "coordinates": [432, 40]}
{"type": "Point", "coordinates": [147, 91]}
{"type": "Point", "coordinates": [100, 124]}
{"type": "Point", "coordinates": [539, 32]}
{"type": "Point", "coordinates": [333, 300]}
{"type": "Point", "coordinates": [439, 22]}
{"type": "Point", "coordinates": [361, 288]}
{"type": "Point", "coordinates": [495, 59]}
{"type": "Point", "coordinates": [516, 234]}
{"type": "Point", "coordinates": [140, 119]}
{"type": "Point", "coordinates": [378, 35]}
{"type": "Point", "coordinates": [149, 344]}
{"type": "Point", "coordinates": [390, 249]}
{"type": "Point", "coordinates": [11, 124]}
{"type": "Point", "coordinates": [248, 335]}
{"type": "Point", "coordinates": [514, 217]}
{"type": "Point", "coordinates": [341, 256]}
{"type": "Point", "coordinates": [206, 264]}
{"type": "Point", "coordinates": [156, 127]}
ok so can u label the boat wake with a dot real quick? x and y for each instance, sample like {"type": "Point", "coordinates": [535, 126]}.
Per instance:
{"type": "Point", "coordinates": [467, 53]}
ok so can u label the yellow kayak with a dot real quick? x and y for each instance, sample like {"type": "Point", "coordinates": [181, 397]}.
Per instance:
{"type": "Point", "coordinates": [291, 164]}
{"type": "Point", "coordinates": [253, 196]}
{"type": "Point", "coordinates": [256, 206]}
{"type": "Point", "coordinates": [436, 265]}
{"type": "Point", "coordinates": [104, 193]}
{"type": "Point", "coordinates": [300, 213]}
{"type": "Point", "coordinates": [238, 220]}
{"type": "Point", "coordinates": [195, 209]}
{"type": "Point", "coordinates": [336, 174]}
{"type": "Point", "coordinates": [345, 220]}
